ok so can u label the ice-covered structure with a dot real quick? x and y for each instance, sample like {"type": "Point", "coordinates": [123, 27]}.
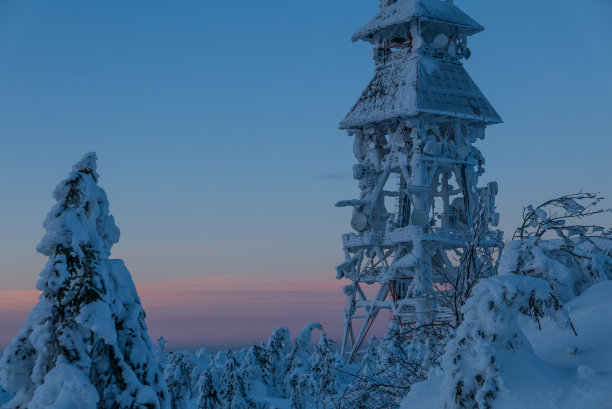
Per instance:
{"type": "Point", "coordinates": [414, 127]}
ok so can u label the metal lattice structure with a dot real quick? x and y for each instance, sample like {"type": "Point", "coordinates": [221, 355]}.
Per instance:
{"type": "Point", "coordinates": [414, 127]}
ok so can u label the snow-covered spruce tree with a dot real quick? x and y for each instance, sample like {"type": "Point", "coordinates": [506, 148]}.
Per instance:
{"type": "Point", "coordinates": [392, 379]}
{"type": "Point", "coordinates": [180, 379]}
{"type": "Point", "coordinates": [324, 364]}
{"type": "Point", "coordinates": [209, 398]}
{"type": "Point", "coordinates": [230, 367]}
{"type": "Point", "coordinates": [391, 352]}
{"type": "Point", "coordinates": [217, 365]}
{"type": "Point", "coordinates": [255, 367]}
{"type": "Point", "coordinates": [301, 391]}
{"type": "Point", "coordinates": [160, 354]}
{"type": "Point", "coordinates": [85, 344]}
{"type": "Point", "coordinates": [204, 361]}
{"type": "Point", "coordinates": [298, 362]}
{"type": "Point", "coordinates": [279, 347]}
{"type": "Point", "coordinates": [232, 389]}
{"type": "Point", "coordinates": [369, 363]}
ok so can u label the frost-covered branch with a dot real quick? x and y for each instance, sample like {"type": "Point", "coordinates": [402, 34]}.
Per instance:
{"type": "Point", "coordinates": [554, 214]}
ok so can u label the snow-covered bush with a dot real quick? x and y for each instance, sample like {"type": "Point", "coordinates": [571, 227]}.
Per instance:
{"type": "Point", "coordinates": [85, 344]}
{"type": "Point", "coordinates": [472, 361]}
{"type": "Point", "coordinates": [537, 274]}
{"type": "Point", "coordinates": [569, 256]}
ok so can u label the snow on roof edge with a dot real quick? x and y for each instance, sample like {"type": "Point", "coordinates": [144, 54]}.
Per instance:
{"type": "Point", "coordinates": [404, 11]}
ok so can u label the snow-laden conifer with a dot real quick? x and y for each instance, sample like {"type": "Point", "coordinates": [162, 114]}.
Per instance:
{"type": "Point", "coordinates": [232, 388]}
{"type": "Point", "coordinates": [85, 344]}
{"type": "Point", "coordinates": [279, 347]}
{"type": "Point", "coordinates": [298, 360]}
{"type": "Point", "coordinates": [180, 378]}
{"type": "Point", "coordinates": [324, 364]}
{"type": "Point", "coordinates": [209, 398]}
{"type": "Point", "coordinates": [160, 354]}
{"type": "Point", "coordinates": [391, 352]}
{"type": "Point", "coordinates": [301, 391]}
{"type": "Point", "coordinates": [255, 368]}
{"type": "Point", "coordinates": [370, 359]}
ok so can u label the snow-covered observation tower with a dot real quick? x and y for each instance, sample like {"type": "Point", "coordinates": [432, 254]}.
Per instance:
{"type": "Point", "coordinates": [414, 127]}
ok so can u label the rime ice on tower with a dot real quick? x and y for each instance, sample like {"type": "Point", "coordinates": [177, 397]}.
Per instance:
{"type": "Point", "coordinates": [414, 127]}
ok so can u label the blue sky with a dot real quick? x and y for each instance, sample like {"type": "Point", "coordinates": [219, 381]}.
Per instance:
{"type": "Point", "coordinates": [216, 123]}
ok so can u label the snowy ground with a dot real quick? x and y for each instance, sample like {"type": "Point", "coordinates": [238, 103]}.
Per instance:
{"type": "Point", "coordinates": [563, 371]}
{"type": "Point", "coordinates": [259, 396]}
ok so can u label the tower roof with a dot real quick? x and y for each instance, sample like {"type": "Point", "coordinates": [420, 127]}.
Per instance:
{"type": "Point", "coordinates": [404, 11]}
{"type": "Point", "coordinates": [409, 84]}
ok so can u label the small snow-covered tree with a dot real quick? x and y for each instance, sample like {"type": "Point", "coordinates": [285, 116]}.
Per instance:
{"type": "Point", "coordinates": [179, 377]}
{"type": "Point", "coordinates": [232, 389]}
{"type": "Point", "coordinates": [209, 398]}
{"type": "Point", "coordinates": [324, 364]}
{"type": "Point", "coordinates": [279, 347]}
{"type": "Point", "coordinates": [369, 362]}
{"type": "Point", "coordinates": [298, 362]}
{"type": "Point", "coordinates": [217, 365]}
{"type": "Point", "coordinates": [230, 367]}
{"type": "Point", "coordinates": [255, 367]}
{"type": "Point", "coordinates": [85, 344]}
{"type": "Point", "coordinates": [391, 352]}
{"type": "Point", "coordinates": [161, 354]}
{"type": "Point", "coordinates": [300, 391]}
{"type": "Point", "coordinates": [204, 360]}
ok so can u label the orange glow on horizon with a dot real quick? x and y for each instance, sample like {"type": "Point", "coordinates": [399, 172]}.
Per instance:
{"type": "Point", "coordinates": [214, 310]}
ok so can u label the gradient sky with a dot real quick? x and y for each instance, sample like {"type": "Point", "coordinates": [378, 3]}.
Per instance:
{"type": "Point", "coordinates": [216, 128]}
